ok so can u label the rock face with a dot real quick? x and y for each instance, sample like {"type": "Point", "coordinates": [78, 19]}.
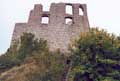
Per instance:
{"type": "Point", "coordinates": [57, 32]}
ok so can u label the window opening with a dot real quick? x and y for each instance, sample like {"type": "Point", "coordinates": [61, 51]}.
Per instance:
{"type": "Point", "coordinates": [69, 9]}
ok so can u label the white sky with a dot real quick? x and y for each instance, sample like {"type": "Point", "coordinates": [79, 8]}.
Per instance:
{"type": "Point", "coordinates": [101, 13]}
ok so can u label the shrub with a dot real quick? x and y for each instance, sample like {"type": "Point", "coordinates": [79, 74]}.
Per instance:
{"type": "Point", "coordinates": [17, 53]}
{"type": "Point", "coordinates": [96, 57]}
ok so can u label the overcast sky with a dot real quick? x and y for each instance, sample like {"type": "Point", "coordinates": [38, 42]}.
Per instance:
{"type": "Point", "coordinates": [101, 13]}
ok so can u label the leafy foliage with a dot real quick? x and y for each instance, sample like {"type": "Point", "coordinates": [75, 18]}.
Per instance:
{"type": "Point", "coordinates": [17, 53]}
{"type": "Point", "coordinates": [29, 44]}
{"type": "Point", "coordinates": [50, 65]}
{"type": "Point", "coordinates": [96, 57]}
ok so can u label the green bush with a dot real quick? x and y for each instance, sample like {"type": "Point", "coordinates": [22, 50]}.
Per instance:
{"type": "Point", "coordinates": [51, 67]}
{"type": "Point", "coordinates": [17, 53]}
{"type": "Point", "coordinates": [29, 44]}
{"type": "Point", "coordinates": [96, 57]}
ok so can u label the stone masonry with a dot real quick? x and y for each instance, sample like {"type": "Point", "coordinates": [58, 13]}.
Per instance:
{"type": "Point", "coordinates": [57, 33]}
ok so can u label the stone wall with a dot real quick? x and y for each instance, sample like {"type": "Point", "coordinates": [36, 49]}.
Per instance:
{"type": "Point", "coordinates": [57, 33]}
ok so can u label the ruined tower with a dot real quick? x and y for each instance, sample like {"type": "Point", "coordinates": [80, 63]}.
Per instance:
{"type": "Point", "coordinates": [57, 32]}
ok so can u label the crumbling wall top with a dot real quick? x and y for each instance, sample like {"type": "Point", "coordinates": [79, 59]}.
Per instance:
{"type": "Point", "coordinates": [61, 25]}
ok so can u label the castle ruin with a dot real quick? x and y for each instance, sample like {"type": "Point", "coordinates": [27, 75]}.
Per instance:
{"type": "Point", "coordinates": [57, 32]}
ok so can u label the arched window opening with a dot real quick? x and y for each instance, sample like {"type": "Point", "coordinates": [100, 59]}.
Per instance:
{"type": "Point", "coordinates": [69, 9]}
{"type": "Point", "coordinates": [68, 21]}
{"type": "Point", "coordinates": [45, 20]}
{"type": "Point", "coordinates": [81, 11]}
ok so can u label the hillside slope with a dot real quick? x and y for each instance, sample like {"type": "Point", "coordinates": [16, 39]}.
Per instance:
{"type": "Point", "coordinates": [18, 73]}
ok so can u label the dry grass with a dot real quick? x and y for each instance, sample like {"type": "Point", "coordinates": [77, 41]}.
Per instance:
{"type": "Point", "coordinates": [18, 73]}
